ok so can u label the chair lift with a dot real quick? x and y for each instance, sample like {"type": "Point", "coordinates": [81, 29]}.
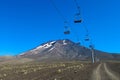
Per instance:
{"type": "Point", "coordinates": [87, 38]}
{"type": "Point", "coordinates": [67, 32]}
{"type": "Point", "coordinates": [67, 29]}
{"type": "Point", "coordinates": [78, 14]}
{"type": "Point", "coordinates": [78, 18]}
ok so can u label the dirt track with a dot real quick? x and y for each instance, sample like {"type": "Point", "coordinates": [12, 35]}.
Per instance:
{"type": "Point", "coordinates": [102, 72]}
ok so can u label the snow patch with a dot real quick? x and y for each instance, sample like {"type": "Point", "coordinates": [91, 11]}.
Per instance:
{"type": "Point", "coordinates": [41, 48]}
{"type": "Point", "coordinates": [51, 49]}
{"type": "Point", "coordinates": [64, 42]}
{"type": "Point", "coordinates": [22, 54]}
{"type": "Point", "coordinates": [52, 42]}
{"type": "Point", "coordinates": [47, 45]}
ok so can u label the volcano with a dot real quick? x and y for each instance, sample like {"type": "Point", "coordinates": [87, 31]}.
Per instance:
{"type": "Point", "coordinates": [64, 50]}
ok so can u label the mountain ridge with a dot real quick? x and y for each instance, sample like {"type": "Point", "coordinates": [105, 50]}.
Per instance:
{"type": "Point", "coordinates": [64, 49]}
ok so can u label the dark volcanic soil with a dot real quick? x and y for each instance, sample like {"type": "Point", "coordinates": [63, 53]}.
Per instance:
{"type": "Point", "coordinates": [114, 66]}
{"type": "Point", "coordinates": [57, 71]}
{"type": "Point", "coordinates": [47, 71]}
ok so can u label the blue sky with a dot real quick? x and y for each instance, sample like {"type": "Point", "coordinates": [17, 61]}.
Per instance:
{"type": "Point", "coordinates": [25, 24]}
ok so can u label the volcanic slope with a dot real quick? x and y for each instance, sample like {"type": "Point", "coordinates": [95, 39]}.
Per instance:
{"type": "Point", "coordinates": [64, 50]}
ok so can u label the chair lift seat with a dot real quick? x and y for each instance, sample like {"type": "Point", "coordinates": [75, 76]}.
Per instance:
{"type": "Point", "coordinates": [87, 39]}
{"type": "Point", "coordinates": [67, 32]}
{"type": "Point", "coordinates": [77, 21]}
{"type": "Point", "coordinates": [78, 18]}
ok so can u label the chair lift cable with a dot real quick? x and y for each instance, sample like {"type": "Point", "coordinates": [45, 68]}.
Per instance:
{"type": "Point", "coordinates": [67, 28]}
{"type": "Point", "coordinates": [58, 11]}
{"type": "Point", "coordinates": [78, 7]}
